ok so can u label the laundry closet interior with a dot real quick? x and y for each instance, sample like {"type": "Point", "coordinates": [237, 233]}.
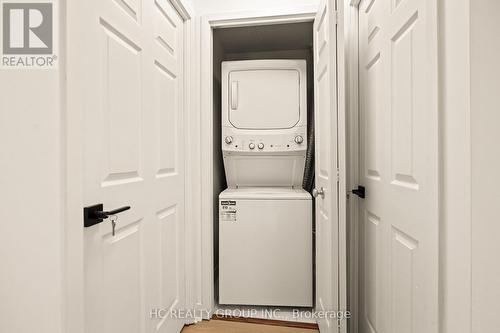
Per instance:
{"type": "Point", "coordinates": [263, 166]}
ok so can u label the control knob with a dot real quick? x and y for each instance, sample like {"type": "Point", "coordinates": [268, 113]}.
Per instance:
{"type": "Point", "coordinates": [251, 145]}
{"type": "Point", "coordinates": [228, 140]}
{"type": "Point", "coordinates": [299, 139]}
{"type": "Point", "coordinates": [261, 145]}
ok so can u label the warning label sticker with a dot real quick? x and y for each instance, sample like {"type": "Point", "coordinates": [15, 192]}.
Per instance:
{"type": "Point", "coordinates": [228, 210]}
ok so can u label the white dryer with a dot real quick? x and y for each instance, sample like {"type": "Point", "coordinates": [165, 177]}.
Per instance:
{"type": "Point", "coordinates": [265, 217]}
{"type": "Point", "coordinates": [264, 122]}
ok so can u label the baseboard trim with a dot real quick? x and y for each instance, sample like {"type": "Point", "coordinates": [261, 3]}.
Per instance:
{"type": "Point", "coordinates": [271, 322]}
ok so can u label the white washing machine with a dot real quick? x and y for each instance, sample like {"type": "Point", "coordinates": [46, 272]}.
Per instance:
{"type": "Point", "coordinates": [265, 217]}
{"type": "Point", "coordinates": [265, 247]}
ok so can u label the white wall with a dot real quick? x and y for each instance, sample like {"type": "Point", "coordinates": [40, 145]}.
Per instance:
{"type": "Point", "coordinates": [31, 201]}
{"type": "Point", "coordinates": [203, 7]}
{"type": "Point", "coordinates": [455, 178]}
{"type": "Point", "coordinates": [470, 82]}
{"type": "Point", "coordinates": [485, 135]}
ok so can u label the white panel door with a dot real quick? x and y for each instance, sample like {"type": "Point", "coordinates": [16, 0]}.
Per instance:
{"type": "Point", "coordinates": [398, 155]}
{"type": "Point", "coordinates": [132, 55]}
{"type": "Point", "coordinates": [326, 93]}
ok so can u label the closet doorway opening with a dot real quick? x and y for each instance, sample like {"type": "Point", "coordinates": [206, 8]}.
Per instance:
{"type": "Point", "coordinates": [285, 37]}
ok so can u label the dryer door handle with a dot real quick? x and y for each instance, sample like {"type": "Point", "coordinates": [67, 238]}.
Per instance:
{"type": "Point", "coordinates": [234, 95]}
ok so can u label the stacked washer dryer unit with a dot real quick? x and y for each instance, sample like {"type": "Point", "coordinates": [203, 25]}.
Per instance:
{"type": "Point", "coordinates": [265, 217]}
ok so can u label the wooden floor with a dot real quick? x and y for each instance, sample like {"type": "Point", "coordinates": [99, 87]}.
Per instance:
{"type": "Point", "coordinates": [222, 326]}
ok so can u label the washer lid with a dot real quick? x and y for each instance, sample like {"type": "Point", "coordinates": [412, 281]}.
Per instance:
{"type": "Point", "coordinates": [264, 98]}
{"type": "Point", "coordinates": [261, 193]}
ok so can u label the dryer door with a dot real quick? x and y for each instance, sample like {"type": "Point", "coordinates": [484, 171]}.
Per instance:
{"type": "Point", "coordinates": [264, 98]}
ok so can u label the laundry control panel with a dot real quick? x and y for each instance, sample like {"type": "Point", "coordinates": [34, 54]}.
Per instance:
{"type": "Point", "coordinates": [253, 142]}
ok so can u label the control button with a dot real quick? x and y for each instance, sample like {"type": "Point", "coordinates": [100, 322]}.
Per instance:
{"type": "Point", "coordinates": [228, 140]}
{"type": "Point", "coordinates": [261, 145]}
{"type": "Point", "coordinates": [251, 146]}
{"type": "Point", "coordinates": [299, 139]}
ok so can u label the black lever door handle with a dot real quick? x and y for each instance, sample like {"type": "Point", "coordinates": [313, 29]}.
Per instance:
{"type": "Point", "coordinates": [360, 192]}
{"type": "Point", "coordinates": [104, 215]}
{"type": "Point", "coordinates": [95, 214]}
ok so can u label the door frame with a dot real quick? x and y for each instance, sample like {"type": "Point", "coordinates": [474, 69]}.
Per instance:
{"type": "Point", "coordinates": [351, 8]}
{"type": "Point", "coordinates": [204, 297]}
{"type": "Point", "coordinates": [72, 146]}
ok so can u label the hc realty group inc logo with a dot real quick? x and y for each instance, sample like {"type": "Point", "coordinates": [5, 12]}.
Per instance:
{"type": "Point", "coordinates": [29, 34]}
